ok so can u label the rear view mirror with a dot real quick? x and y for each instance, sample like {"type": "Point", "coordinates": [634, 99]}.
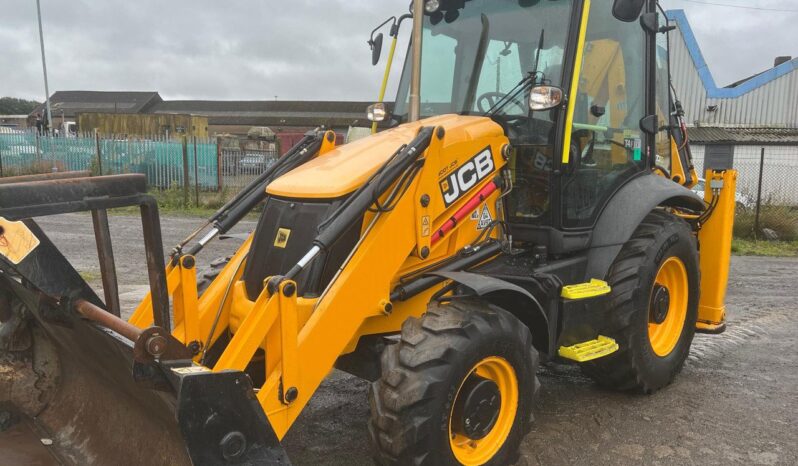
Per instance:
{"type": "Point", "coordinates": [376, 48]}
{"type": "Point", "coordinates": [627, 10]}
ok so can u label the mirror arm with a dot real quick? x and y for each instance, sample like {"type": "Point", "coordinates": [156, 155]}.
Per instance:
{"type": "Point", "coordinates": [371, 37]}
{"type": "Point", "coordinates": [650, 22]}
{"type": "Point", "coordinates": [398, 24]}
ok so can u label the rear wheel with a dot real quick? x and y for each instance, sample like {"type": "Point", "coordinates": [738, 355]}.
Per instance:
{"type": "Point", "coordinates": [458, 388]}
{"type": "Point", "coordinates": [209, 274]}
{"type": "Point", "coordinates": [655, 291]}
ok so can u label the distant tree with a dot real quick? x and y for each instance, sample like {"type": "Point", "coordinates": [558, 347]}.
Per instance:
{"type": "Point", "coordinates": [14, 106]}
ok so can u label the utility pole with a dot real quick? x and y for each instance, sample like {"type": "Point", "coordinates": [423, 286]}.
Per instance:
{"type": "Point", "coordinates": [44, 67]}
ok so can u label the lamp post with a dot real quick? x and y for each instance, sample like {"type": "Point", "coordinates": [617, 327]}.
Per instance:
{"type": "Point", "coordinates": [44, 67]}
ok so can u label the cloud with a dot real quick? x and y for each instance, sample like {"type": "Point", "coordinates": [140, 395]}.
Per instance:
{"type": "Point", "coordinates": [738, 42]}
{"type": "Point", "coordinates": [259, 49]}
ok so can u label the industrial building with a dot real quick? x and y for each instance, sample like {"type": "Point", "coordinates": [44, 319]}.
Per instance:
{"type": "Point", "coordinates": [142, 109]}
{"type": "Point", "coordinates": [757, 116]}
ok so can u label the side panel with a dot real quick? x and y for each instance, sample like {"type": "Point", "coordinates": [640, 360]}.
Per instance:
{"type": "Point", "coordinates": [624, 212]}
{"type": "Point", "coordinates": [715, 239]}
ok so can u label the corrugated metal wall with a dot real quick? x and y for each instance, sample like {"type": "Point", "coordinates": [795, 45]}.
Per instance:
{"type": "Point", "coordinates": [774, 104]}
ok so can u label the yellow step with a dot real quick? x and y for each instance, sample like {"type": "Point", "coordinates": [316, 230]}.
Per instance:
{"type": "Point", "coordinates": [586, 290]}
{"type": "Point", "coordinates": [589, 350]}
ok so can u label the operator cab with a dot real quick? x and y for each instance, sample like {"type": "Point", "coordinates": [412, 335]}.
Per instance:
{"type": "Point", "coordinates": [485, 57]}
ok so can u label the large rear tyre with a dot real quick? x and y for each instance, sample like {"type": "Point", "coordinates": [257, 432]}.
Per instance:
{"type": "Point", "coordinates": [655, 290]}
{"type": "Point", "coordinates": [457, 389]}
{"type": "Point", "coordinates": [209, 274]}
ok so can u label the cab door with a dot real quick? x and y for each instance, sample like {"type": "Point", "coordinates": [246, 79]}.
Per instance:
{"type": "Point", "coordinates": [611, 98]}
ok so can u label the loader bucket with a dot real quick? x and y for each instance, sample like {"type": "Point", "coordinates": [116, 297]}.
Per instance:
{"type": "Point", "coordinates": [82, 375]}
{"type": "Point", "coordinates": [74, 380]}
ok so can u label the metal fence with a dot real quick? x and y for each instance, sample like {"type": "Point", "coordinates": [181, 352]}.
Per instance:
{"type": "Point", "coordinates": [238, 167]}
{"type": "Point", "coordinates": [167, 162]}
{"type": "Point", "coordinates": [769, 170]}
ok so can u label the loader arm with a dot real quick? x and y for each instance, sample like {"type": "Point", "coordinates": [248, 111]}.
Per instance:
{"type": "Point", "coordinates": [302, 336]}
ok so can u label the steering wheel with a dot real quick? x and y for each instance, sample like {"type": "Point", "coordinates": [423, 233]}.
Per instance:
{"type": "Point", "coordinates": [487, 100]}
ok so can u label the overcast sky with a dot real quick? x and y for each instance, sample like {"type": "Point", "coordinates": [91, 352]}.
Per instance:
{"type": "Point", "coordinates": [297, 49]}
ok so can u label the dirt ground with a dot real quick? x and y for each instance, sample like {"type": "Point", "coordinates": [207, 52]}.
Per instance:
{"type": "Point", "coordinates": [736, 401]}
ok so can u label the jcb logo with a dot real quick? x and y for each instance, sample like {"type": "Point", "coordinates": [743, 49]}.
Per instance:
{"type": "Point", "coordinates": [454, 186]}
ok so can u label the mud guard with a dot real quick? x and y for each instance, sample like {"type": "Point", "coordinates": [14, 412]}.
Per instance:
{"type": "Point", "coordinates": [626, 210]}
{"type": "Point", "coordinates": [510, 297]}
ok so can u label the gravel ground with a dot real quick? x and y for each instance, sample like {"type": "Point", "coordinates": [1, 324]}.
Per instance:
{"type": "Point", "coordinates": [736, 401]}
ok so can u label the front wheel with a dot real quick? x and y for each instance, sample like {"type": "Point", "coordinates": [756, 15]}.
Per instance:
{"type": "Point", "coordinates": [457, 389]}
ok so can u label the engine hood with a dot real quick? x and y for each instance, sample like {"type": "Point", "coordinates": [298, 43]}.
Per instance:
{"type": "Point", "coordinates": [341, 171]}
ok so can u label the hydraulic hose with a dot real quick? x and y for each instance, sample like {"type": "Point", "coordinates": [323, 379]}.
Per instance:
{"type": "Point", "coordinates": [248, 198]}
{"type": "Point", "coordinates": [364, 198]}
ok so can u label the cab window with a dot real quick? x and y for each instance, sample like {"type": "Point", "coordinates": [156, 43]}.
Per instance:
{"type": "Point", "coordinates": [663, 141]}
{"type": "Point", "coordinates": [607, 145]}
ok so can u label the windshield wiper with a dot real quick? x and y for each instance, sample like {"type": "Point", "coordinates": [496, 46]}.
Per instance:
{"type": "Point", "coordinates": [529, 81]}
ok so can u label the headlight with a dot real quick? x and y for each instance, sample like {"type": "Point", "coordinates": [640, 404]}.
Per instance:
{"type": "Point", "coordinates": [545, 97]}
{"type": "Point", "coordinates": [432, 6]}
{"type": "Point", "coordinates": [376, 112]}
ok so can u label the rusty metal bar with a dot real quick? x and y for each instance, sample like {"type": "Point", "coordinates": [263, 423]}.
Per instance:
{"type": "Point", "coordinates": [45, 177]}
{"type": "Point", "coordinates": [107, 320]}
{"type": "Point", "coordinates": [105, 254]}
{"type": "Point", "coordinates": [42, 198]}
{"type": "Point", "coordinates": [156, 266]}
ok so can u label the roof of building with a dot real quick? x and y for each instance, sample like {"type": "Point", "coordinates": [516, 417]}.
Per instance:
{"type": "Point", "coordinates": [269, 113]}
{"type": "Point", "coordinates": [73, 102]}
{"type": "Point", "coordinates": [737, 89]}
{"type": "Point", "coordinates": [766, 136]}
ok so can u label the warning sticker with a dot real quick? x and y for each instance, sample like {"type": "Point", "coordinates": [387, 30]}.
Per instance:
{"type": "Point", "coordinates": [485, 219]}
{"type": "Point", "coordinates": [16, 241]}
{"type": "Point", "coordinates": [425, 226]}
{"type": "Point", "coordinates": [190, 370]}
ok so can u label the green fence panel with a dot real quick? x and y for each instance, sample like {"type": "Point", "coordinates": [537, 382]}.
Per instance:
{"type": "Point", "coordinates": [160, 160]}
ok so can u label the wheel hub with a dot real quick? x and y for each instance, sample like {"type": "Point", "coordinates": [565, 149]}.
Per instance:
{"type": "Point", "coordinates": [477, 407]}
{"type": "Point", "coordinates": [660, 304]}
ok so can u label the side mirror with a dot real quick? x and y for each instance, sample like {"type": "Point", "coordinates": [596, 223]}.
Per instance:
{"type": "Point", "coordinates": [377, 112]}
{"type": "Point", "coordinates": [627, 10]}
{"type": "Point", "coordinates": [545, 98]}
{"type": "Point", "coordinates": [376, 48]}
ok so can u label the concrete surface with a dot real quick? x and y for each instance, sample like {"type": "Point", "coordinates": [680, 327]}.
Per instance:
{"type": "Point", "coordinates": [736, 401]}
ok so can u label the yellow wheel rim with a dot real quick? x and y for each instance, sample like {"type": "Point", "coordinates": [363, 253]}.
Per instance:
{"type": "Point", "coordinates": [665, 329]}
{"type": "Point", "coordinates": [470, 452]}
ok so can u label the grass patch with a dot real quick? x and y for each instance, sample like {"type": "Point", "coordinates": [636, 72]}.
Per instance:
{"type": "Point", "coordinates": [781, 219]}
{"type": "Point", "coordinates": [90, 276]}
{"type": "Point", "coordinates": [744, 247]}
{"type": "Point", "coordinates": [172, 202]}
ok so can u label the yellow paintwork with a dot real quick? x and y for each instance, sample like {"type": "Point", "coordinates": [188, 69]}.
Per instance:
{"type": "Point", "coordinates": [715, 238]}
{"type": "Point", "coordinates": [302, 338]}
{"type": "Point", "coordinates": [580, 52]}
{"type": "Point", "coordinates": [328, 143]}
{"type": "Point", "coordinates": [589, 350]}
{"type": "Point", "coordinates": [677, 170]}
{"type": "Point", "coordinates": [345, 168]}
{"type": "Point", "coordinates": [591, 289]}
{"type": "Point", "coordinates": [470, 452]}
{"type": "Point", "coordinates": [663, 337]}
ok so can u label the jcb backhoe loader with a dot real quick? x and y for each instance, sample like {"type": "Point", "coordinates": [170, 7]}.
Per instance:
{"type": "Point", "coordinates": [527, 200]}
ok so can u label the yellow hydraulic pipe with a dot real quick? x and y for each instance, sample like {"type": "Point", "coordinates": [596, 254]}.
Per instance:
{"type": "Point", "coordinates": [385, 78]}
